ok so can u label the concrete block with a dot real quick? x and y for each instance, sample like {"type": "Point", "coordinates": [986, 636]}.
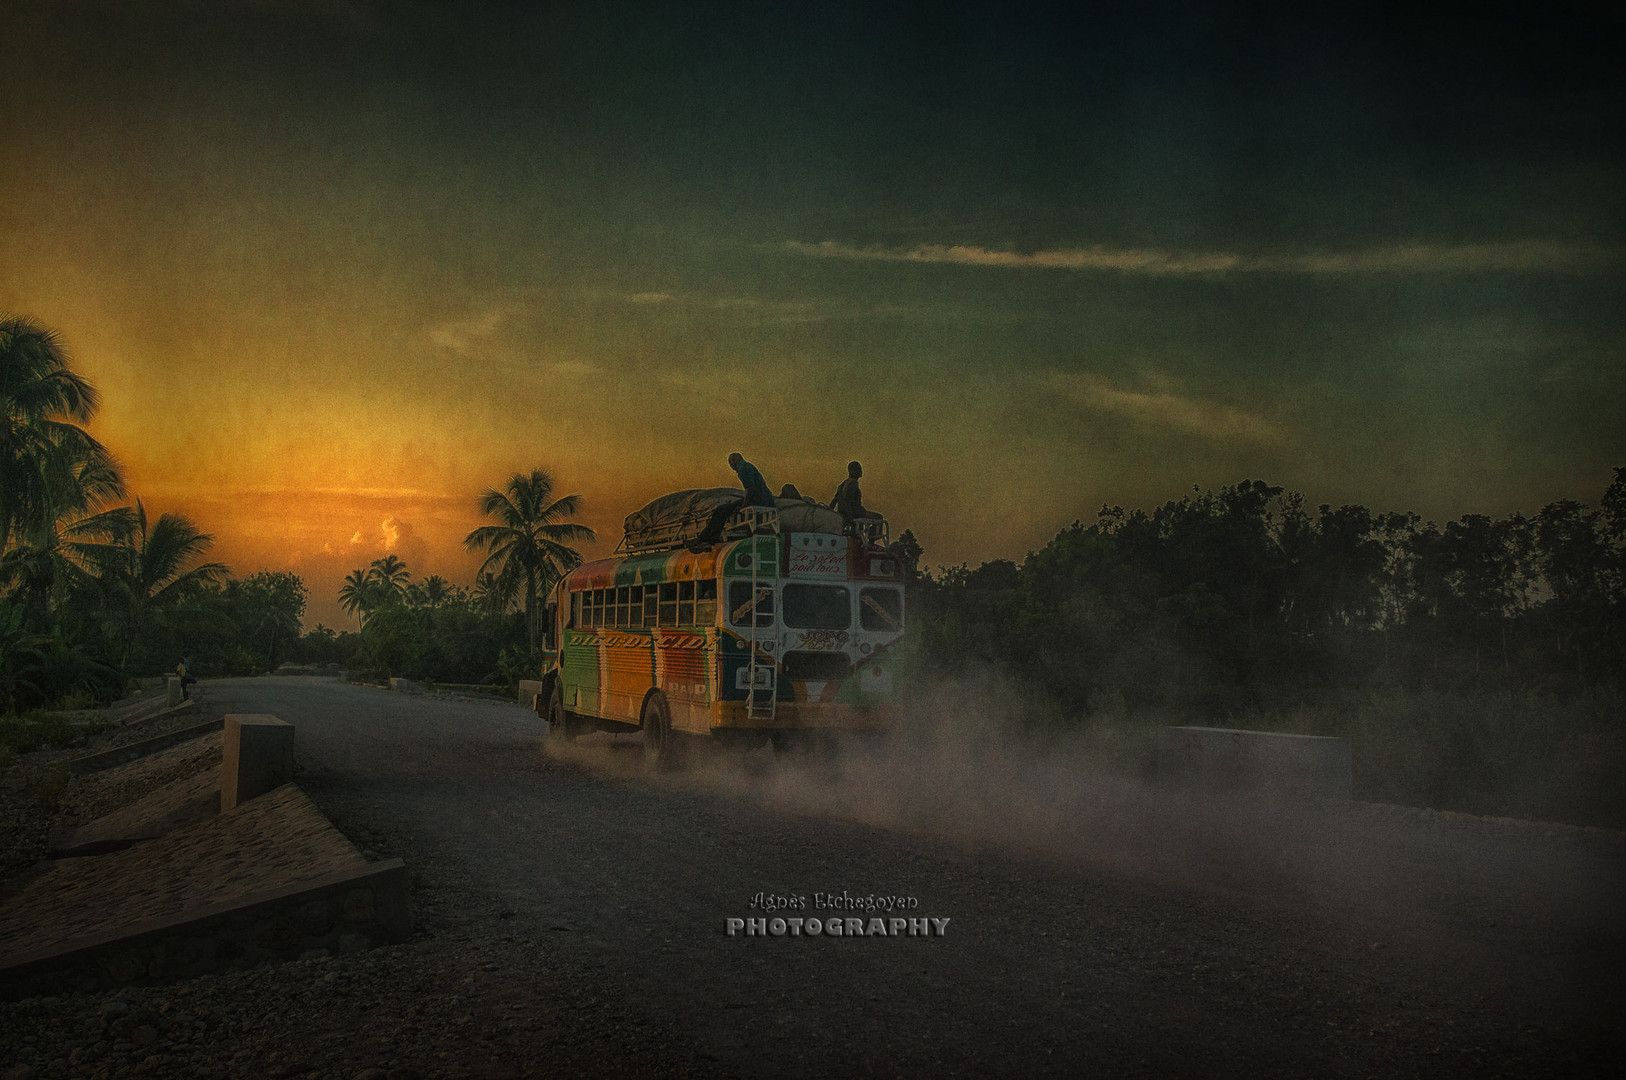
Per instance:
{"type": "Point", "coordinates": [405, 686]}
{"type": "Point", "coordinates": [529, 691]}
{"type": "Point", "coordinates": [258, 757]}
{"type": "Point", "coordinates": [1256, 762]}
{"type": "Point", "coordinates": [176, 691]}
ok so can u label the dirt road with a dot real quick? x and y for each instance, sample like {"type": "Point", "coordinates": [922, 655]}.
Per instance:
{"type": "Point", "coordinates": [579, 908]}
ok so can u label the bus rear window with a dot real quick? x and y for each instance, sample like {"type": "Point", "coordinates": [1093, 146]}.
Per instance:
{"type": "Point", "coordinates": [818, 607]}
{"type": "Point", "coordinates": [880, 609]}
{"type": "Point", "coordinates": [705, 602]}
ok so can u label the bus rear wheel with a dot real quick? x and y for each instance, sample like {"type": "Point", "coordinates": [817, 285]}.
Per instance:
{"type": "Point", "coordinates": [660, 741]}
{"type": "Point", "coordinates": [560, 728]}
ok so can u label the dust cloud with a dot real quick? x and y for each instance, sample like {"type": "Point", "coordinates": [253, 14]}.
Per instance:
{"type": "Point", "coordinates": [967, 766]}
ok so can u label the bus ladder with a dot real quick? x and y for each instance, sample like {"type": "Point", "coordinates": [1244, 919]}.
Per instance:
{"type": "Point", "coordinates": [754, 708]}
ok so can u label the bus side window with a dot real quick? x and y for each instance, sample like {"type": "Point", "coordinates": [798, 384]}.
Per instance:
{"type": "Point", "coordinates": [651, 599]}
{"type": "Point", "coordinates": [685, 616]}
{"type": "Point", "coordinates": [669, 604]}
{"type": "Point", "coordinates": [598, 608]}
{"type": "Point", "coordinates": [705, 602]}
{"type": "Point", "coordinates": [575, 609]}
{"type": "Point", "coordinates": [623, 606]}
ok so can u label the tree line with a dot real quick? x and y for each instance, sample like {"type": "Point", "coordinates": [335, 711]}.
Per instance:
{"type": "Point", "coordinates": [1213, 598]}
{"type": "Point", "coordinates": [441, 632]}
{"type": "Point", "coordinates": [1477, 665]}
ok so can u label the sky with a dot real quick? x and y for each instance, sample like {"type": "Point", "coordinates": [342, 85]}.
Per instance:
{"type": "Point", "coordinates": [338, 267]}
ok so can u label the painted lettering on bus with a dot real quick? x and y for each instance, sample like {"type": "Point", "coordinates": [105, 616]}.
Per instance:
{"type": "Point", "coordinates": [823, 563]}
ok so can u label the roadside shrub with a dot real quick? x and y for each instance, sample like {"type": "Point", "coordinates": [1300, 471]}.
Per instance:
{"type": "Point", "coordinates": [31, 731]}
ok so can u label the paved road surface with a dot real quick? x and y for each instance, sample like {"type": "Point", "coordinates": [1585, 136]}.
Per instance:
{"type": "Point", "coordinates": [1092, 923]}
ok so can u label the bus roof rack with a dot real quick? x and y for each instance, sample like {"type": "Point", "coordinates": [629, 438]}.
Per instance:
{"type": "Point", "coordinates": [678, 519]}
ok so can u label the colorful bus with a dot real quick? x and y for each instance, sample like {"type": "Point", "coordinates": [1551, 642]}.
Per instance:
{"type": "Point", "coordinates": [771, 634]}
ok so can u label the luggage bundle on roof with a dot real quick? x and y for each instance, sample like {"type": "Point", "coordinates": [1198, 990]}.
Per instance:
{"type": "Point", "coordinates": [674, 520]}
{"type": "Point", "coordinates": [679, 518]}
{"type": "Point", "coordinates": [805, 515]}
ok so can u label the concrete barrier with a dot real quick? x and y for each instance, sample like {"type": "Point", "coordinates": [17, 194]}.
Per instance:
{"type": "Point", "coordinates": [529, 691]}
{"type": "Point", "coordinates": [338, 913]}
{"type": "Point", "coordinates": [258, 757]}
{"type": "Point", "coordinates": [1258, 762]}
{"type": "Point", "coordinates": [177, 692]}
{"type": "Point", "coordinates": [405, 686]}
{"type": "Point", "coordinates": [106, 759]}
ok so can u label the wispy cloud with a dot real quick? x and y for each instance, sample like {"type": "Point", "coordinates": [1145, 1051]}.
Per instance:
{"type": "Point", "coordinates": [784, 311]}
{"type": "Point", "coordinates": [1524, 256]}
{"type": "Point", "coordinates": [1161, 408]}
{"type": "Point", "coordinates": [460, 336]}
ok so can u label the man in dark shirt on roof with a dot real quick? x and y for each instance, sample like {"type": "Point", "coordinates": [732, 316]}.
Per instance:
{"type": "Point", "coordinates": [756, 488]}
{"type": "Point", "coordinates": [756, 494]}
{"type": "Point", "coordinates": [849, 500]}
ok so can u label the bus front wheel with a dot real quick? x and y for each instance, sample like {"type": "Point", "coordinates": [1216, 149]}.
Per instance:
{"type": "Point", "coordinates": [560, 729]}
{"type": "Point", "coordinates": [660, 741]}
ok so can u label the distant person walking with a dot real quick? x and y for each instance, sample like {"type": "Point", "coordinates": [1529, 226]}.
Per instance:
{"type": "Point", "coordinates": [183, 672]}
{"type": "Point", "coordinates": [757, 493]}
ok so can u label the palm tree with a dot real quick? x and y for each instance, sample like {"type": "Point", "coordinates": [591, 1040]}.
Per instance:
{"type": "Point", "coordinates": [49, 466]}
{"type": "Point", "coordinates": [529, 549]}
{"type": "Point", "coordinates": [389, 577]}
{"type": "Point", "coordinates": [356, 595]}
{"type": "Point", "coordinates": [149, 571]}
{"type": "Point", "coordinates": [487, 596]}
{"type": "Point", "coordinates": [432, 592]}
{"type": "Point", "coordinates": [59, 557]}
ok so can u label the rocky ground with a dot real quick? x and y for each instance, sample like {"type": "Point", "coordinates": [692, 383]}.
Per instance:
{"type": "Point", "coordinates": [432, 1007]}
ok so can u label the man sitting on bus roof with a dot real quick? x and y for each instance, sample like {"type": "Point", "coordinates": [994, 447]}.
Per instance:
{"type": "Point", "coordinates": [849, 500]}
{"type": "Point", "coordinates": [756, 494]}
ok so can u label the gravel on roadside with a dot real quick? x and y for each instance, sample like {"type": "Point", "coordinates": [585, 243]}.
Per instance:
{"type": "Point", "coordinates": [431, 1007]}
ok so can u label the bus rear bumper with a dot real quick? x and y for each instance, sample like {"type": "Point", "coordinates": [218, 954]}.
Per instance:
{"type": "Point", "coordinates": [795, 716]}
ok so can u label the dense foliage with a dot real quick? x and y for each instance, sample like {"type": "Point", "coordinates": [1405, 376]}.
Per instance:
{"type": "Point", "coordinates": [1474, 658]}
{"type": "Point", "coordinates": [1218, 598]}
{"type": "Point", "coordinates": [428, 630]}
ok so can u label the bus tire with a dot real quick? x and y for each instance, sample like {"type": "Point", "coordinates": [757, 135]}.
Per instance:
{"type": "Point", "coordinates": [560, 727]}
{"type": "Point", "coordinates": [660, 741]}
